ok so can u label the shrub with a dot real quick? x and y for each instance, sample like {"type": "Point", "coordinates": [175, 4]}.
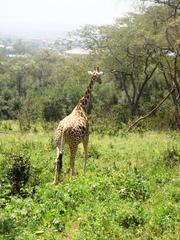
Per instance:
{"type": "Point", "coordinates": [135, 186]}
{"type": "Point", "coordinates": [166, 217]}
{"type": "Point", "coordinates": [24, 123]}
{"type": "Point", "coordinates": [93, 152]}
{"type": "Point", "coordinates": [17, 170]}
{"type": "Point", "coordinates": [171, 157]}
{"type": "Point", "coordinates": [131, 216]}
{"type": "Point", "coordinates": [53, 109]}
{"type": "Point", "coordinates": [6, 224]}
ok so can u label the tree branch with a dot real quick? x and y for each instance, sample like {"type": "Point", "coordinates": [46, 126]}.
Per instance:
{"type": "Point", "coordinates": [152, 111]}
{"type": "Point", "coordinates": [113, 55]}
{"type": "Point", "coordinates": [145, 81]}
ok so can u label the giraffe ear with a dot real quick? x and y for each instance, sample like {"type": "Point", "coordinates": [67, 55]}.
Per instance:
{"type": "Point", "coordinates": [90, 72]}
{"type": "Point", "coordinates": [100, 73]}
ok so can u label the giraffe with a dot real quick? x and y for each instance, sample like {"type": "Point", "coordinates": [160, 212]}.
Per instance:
{"type": "Point", "coordinates": [74, 129]}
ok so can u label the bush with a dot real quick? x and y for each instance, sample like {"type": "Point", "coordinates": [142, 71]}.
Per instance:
{"type": "Point", "coordinates": [17, 170]}
{"type": "Point", "coordinates": [6, 224]}
{"type": "Point", "coordinates": [165, 217]}
{"type": "Point", "coordinates": [53, 109]}
{"type": "Point", "coordinates": [171, 157]}
{"type": "Point", "coordinates": [93, 152]}
{"type": "Point", "coordinates": [135, 186]}
{"type": "Point", "coordinates": [131, 216]}
{"type": "Point", "coordinates": [25, 117]}
{"type": "Point", "coordinates": [122, 113]}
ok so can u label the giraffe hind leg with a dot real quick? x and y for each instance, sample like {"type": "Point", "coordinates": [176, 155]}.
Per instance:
{"type": "Point", "coordinates": [73, 151]}
{"type": "Point", "coordinates": [58, 167]}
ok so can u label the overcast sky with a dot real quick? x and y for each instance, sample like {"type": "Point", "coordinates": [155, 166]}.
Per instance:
{"type": "Point", "coordinates": [49, 15]}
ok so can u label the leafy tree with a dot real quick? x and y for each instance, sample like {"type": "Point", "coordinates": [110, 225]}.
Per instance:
{"type": "Point", "coordinates": [128, 53]}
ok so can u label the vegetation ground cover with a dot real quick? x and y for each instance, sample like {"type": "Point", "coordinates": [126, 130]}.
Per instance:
{"type": "Point", "coordinates": [130, 190]}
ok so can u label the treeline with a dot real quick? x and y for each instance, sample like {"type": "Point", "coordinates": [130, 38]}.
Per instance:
{"type": "Point", "coordinates": [139, 54]}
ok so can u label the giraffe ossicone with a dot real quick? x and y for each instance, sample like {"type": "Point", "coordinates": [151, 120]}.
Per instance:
{"type": "Point", "coordinates": [98, 73]}
{"type": "Point", "coordinates": [74, 129]}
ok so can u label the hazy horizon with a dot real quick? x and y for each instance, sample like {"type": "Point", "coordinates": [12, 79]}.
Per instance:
{"type": "Point", "coordinates": [50, 18]}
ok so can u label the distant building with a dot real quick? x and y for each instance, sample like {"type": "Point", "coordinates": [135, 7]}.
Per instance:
{"type": "Point", "coordinates": [2, 46]}
{"type": "Point", "coordinates": [78, 51]}
{"type": "Point", "coordinates": [10, 48]}
{"type": "Point", "coordinates": [17, 55]}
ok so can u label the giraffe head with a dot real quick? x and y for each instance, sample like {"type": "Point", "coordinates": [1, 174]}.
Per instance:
{"type": "Point", "coordinates": [96, 75]}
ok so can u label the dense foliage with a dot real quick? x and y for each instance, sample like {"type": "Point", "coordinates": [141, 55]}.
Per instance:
{"type": "Point", "coordinates": [139, 55]}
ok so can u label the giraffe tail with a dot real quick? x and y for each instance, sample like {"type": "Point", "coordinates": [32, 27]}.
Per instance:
{"type": "Point", "coordinates": [59, 144]}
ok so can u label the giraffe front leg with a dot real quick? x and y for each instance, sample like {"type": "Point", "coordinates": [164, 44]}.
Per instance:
{"type": "Point", "coordinates": [58, 167]}
{"type": "Point", "coordinates": [85, 145]}
{"type": "Point", "coordinates": [73, 151]}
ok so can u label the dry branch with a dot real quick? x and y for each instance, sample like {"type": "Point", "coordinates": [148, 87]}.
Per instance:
{"type": "Point", "coordinates": [152, 111]}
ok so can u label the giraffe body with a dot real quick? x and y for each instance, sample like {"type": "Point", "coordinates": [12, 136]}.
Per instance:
{"type": "Point", "coordinates": [74, 129]}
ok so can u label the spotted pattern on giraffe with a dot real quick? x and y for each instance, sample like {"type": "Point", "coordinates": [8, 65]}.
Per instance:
{"type": "Point", "coordinates": [74, 129]}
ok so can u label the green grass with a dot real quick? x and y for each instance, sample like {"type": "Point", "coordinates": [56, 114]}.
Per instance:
{"type": "Point", "coordinates": [131, 189]}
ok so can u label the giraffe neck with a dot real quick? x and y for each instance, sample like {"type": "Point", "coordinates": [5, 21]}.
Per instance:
{"type": "Point", "coordinates": [84, 101]}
